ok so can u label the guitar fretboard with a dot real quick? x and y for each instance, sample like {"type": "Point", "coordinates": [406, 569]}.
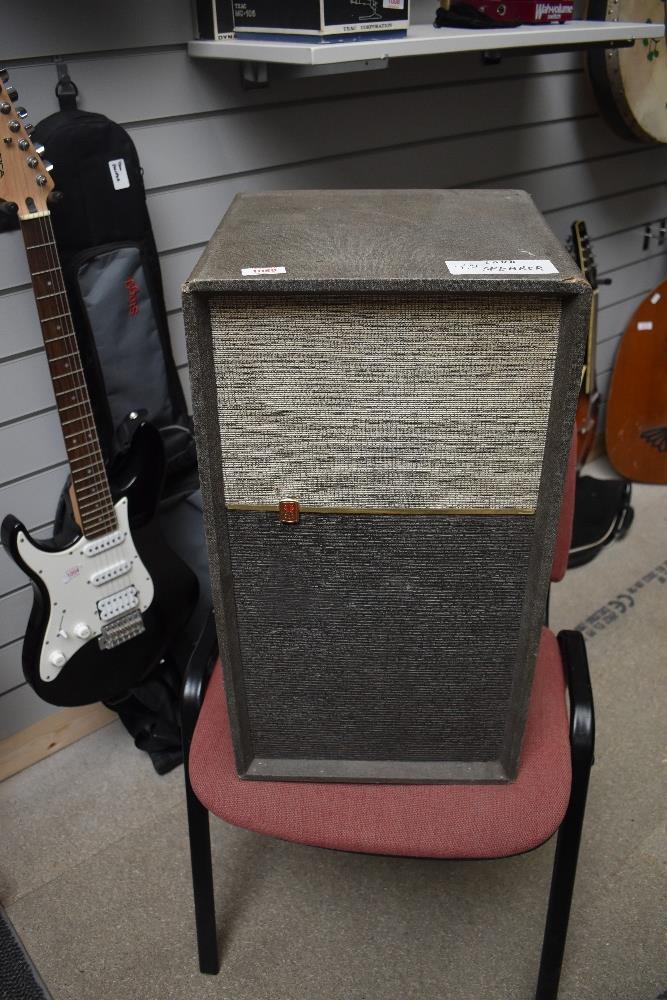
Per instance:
{"type": "Point", "coordinates": [89, 479]}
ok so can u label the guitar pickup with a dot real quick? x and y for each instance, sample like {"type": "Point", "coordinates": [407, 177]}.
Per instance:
{"type": "Point", "coordinates": [118, 604]}
{"type": "Point", "coordinates": [110, 573]}
{"type": "Point", "coordinates": [102, 544]}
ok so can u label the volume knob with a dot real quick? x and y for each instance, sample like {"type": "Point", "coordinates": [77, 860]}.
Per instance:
{"type": "Point", "coordinates": [81, 630]}
{"type": "Point", "coordinates": [57, 658]}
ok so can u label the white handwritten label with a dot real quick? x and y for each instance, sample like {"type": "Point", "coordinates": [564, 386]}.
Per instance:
{"type": "Point", "coordinates": [251, 272]}
{"type": "Point", "coordinates": [655, 298]}
{"type": "Point", "coordinates": [646, 325]}
{"type": "Point", "coordinates": [501, 267]}
{"type": "Point", "coordinates": [394, 4]}
{"type": "Point", "coordinates": [119, 174]}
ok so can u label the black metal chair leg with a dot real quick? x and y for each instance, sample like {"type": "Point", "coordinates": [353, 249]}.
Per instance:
{"type": "Point", "coordinates": [582, 736]}
{"type": "Point", "coordinates": [196, 675]}
{"type": "Point", "coordinates": [202, 882]}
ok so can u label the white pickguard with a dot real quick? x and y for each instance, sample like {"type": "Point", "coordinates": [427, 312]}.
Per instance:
{"type": "Point", "coordinates": [77, 581]}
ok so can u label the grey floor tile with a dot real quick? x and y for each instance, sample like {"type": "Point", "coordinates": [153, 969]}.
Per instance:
{"type": "Point", "coordinates": [295, 922]}
{"type": "Point", "coordinates": [74, 804]}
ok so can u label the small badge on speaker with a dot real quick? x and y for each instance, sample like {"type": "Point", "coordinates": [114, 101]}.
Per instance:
{"type": "Point", "coordinates": [289, 511]}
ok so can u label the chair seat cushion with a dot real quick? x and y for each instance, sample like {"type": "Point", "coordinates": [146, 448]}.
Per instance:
{"type": "Point", "coordinates": [454, 821]}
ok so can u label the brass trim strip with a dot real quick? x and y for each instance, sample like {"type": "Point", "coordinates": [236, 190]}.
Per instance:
{"type": "Point", "coordinates": [468, 511]}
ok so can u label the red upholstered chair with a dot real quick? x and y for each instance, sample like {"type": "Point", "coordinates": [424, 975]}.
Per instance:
{"type": "Point", "coordinates": [442, 821]}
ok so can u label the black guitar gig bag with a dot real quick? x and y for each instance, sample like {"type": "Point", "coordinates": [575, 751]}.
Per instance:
{"type": "Point", "coordinates": [112, 275]}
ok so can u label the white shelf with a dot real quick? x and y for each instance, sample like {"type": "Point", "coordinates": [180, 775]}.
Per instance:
{"type": "Point", "coordinates": [425, 40]}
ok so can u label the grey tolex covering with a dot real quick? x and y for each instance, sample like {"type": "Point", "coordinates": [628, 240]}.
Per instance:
{"type": "Point", "coordinates": [422, 420]}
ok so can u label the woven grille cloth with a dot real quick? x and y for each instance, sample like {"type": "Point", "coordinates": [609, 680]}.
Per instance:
{"type": "Point", "coordinates": [372, 402]}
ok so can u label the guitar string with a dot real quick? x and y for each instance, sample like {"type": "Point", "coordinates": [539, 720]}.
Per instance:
{"type": "Point", "coordinates": [78, 387]}
{"type": "Point", "coordinates": [81, 397]}
{"type": "Point", "coordinates": [50, 258]}
{"type": "Point", "coordinates": [119, 553]}
{"type": "Point", "coordinates": [80, 391]}
{"type": "Point", "coordinates": [98, 478]}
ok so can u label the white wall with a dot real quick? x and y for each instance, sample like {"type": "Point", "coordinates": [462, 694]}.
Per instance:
{"type": "Point", "coordinates": [529, 122]}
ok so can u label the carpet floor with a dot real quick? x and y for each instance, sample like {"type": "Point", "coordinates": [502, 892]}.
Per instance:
{"type": "Point", "coordinates": [95, 872]}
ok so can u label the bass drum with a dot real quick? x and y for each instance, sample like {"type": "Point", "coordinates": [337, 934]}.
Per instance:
{"type": "Point", "coordinates": [630, 84]}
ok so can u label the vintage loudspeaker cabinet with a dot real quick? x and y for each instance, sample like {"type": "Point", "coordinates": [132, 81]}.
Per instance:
{"type": "Point", "coordinates": [384, 388]}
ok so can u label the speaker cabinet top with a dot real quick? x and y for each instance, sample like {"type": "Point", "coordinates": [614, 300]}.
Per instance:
{"type": "Point", "coordinates": [384, 386]}
{"type": "Point", "coordinates": [385, 241]}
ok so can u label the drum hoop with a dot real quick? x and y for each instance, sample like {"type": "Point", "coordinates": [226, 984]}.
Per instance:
{"type": "Point", "coordinates": [604, 69]}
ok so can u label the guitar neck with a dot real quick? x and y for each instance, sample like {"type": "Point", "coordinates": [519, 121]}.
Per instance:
{"type": "Point", "coordinates": [92, 496]}
{"type": "Point", "coordinates": [591, 347]}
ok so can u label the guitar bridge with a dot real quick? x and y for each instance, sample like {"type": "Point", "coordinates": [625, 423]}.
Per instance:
{"type": "Point", "coordinates": [121, 629]}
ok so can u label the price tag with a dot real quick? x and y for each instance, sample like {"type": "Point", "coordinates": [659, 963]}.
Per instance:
{"type": "Point", "coordinates": [501, 267]}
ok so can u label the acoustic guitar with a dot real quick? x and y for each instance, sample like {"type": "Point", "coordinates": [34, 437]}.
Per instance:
{"type": "Point", "coordinates": [636, 427]}
{"type": "Point", "coordinates": [107, 605]}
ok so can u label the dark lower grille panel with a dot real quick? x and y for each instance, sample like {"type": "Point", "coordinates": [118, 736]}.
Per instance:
{"type": "Point", "coordinates": [379, 637]}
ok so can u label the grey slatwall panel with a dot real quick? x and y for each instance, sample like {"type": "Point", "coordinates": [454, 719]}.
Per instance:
{"type": "Point", "coordinates": [19, 326]}
{"type": "Point", "coordinates": [456, 162]}
{"type": "Point", "coordinates": [621, 211]}
{"type": "Point", "coordinates": [177, 337]}
{"type": "Point", "coordinates": [34, 497]}
{"type": "Point", "coordinates": [38, 29]}
{"type": "Point", "coordinates": [27, 387]}
{"type": "Point", "coordinates": [30, 444]}
{"type": "Point", "coordinates": [268, 137]}
{"type": "Point", "coordinates": [607, 352]}
{"type": "Point", "coordinates": [188, 86]}
{"type": "Point", "coordinates": [11, 671]}
{"type": "Point", "coordinates": [628, 280]}
{"type": "Point", "coordinates": [12, 577]}
{"type": "Point", "coordinates": [14, 611]}
{"type": "Point", "coordinates": [19, 707]}
{"type": "Point", "coordinates": [528, 122]}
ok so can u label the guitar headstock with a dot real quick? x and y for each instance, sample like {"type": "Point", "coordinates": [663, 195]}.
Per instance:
{"type": "Point", "coordinates": [24, 173]}
{"type": "Point", "coordinates": [582, 252]}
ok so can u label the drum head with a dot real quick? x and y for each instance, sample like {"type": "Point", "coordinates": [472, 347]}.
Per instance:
{"type": "Point", "coordinates": [631, 83]}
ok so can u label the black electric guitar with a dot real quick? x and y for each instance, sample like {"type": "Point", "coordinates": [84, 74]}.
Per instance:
{"type": "Point", "coordinates": [107, 605]}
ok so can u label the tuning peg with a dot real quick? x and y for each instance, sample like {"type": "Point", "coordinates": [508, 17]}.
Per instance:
{"type": "Point", "coordinates": [48, 166]}
{"type": "Point", "coordinates": [4, 75]}
{"type": "Point", "coordinates": [28, 128]}
{"type": "Point", "coordinates": [21, 112]}
{"type": "Point", "coordinates": [39, 150]}
{"type": "Point", "coordinates": [12, 93]}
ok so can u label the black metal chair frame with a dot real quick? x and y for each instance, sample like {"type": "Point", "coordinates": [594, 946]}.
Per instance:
{"type": "Point", "coordinates": [582, 736]}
